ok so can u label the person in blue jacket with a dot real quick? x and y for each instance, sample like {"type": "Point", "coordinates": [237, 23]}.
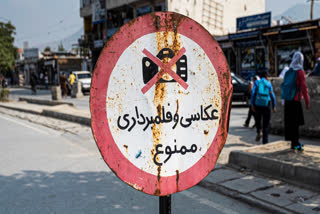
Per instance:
{"type": "Point", "coordinates": [262, 100]}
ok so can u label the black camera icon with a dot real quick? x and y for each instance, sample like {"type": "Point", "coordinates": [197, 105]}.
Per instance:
{"type": "Point", "coordinates": [149, 68]}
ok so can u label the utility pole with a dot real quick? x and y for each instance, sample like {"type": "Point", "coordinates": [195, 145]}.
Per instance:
{"type": "Point", "coordinates": [311, 9]}
{"type": "Point", "coordinates": [311, 12]}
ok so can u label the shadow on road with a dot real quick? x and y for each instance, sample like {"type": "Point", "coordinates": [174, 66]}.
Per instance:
{"type": "Point", "coordinates": [67, 192]}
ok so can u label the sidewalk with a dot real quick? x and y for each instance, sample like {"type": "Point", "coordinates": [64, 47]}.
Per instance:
{"type": "Point", "coordinates": [270, 194]}
{"type": "Point", "coordinates": [275, 195]}
{"type": "Point", "coordinates": [63, 112]}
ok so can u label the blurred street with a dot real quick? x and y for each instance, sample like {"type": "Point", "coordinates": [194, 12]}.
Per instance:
{"type": "Point", "coordinates": [81, 103]}
{"type": "Point", "coordinates": [43, 170]}
{"type": "Point", "coordinates": [56, 164]}
{"type": "Point", "coordinates": [172, 85]}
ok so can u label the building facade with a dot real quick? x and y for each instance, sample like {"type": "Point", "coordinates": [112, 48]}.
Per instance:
{"type": "Point", "coordinates": [93, 13]}
{"type": "Point", "coordinates": [102, 18]}
{"type": "Point", "coordinates": [271, 49]}
{"type": "Point", "coordinates": [217, 16]}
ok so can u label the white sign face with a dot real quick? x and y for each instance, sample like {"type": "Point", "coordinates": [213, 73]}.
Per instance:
{"type": "Point", "coordinates": [166, 125]}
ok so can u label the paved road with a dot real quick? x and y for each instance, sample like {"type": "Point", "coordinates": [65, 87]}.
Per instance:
{"type": "Point", "coordinates": [43, 170]}
{"type": "Point", "coordinates": [239, 137]}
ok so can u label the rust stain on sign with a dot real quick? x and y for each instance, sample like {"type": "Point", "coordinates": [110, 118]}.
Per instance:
{"type": "Point", "coordinates": [171, 40]}
{"type": "Point", "coordinates": [207, 76]}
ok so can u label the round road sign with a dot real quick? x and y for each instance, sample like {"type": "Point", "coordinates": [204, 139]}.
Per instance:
{"type": "Point", "coordinates": [160, 99]}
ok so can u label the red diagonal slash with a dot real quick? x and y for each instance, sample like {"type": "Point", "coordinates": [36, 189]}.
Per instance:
{"type": "Point", "coordinates": [166, 68]}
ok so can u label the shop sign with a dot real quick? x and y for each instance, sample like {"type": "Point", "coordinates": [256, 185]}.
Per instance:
{"type": "Point", "coordinates": [50, 62]}
{"type": "Point", "coordinates": [243, 35]}
{"type": "Point", "coordinates": [253, 22]}
{"type": "Point", "coordinates": [98, 44]}
{"type": "Point", "coordinates": [31, 53]}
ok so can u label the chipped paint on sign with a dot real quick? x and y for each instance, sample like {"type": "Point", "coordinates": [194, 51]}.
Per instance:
{"type": "Point", "coordinates": [160, 103]}
{"type": "Point", "coordinates": [163, 97]}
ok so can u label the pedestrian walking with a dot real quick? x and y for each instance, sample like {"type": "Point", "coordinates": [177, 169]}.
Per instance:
{"type": "Point", "coordinates": [63, 84]}
{"type": "Point", "coordinates": [250, 112]}
{"type": "Point", "coordinates": [293, 88]}
{"type": "Point", "coordinates": [33, 82]}
{"type": "Point", "coordinates": [3, 82]}
{"type": "Point", "coordinates": [262, 97]}
{"type": "Point", "coordinates": [316, 70]}
{"type": "Point", "coordinates": [46, 80]}
{"type": "Point", "coordinates": [41, 76]}
{"type": "Point", "coordinates": [72, 78]}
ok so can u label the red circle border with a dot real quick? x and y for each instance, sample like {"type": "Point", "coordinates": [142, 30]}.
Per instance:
{"type": "Point", "coordinates": [122, 167]}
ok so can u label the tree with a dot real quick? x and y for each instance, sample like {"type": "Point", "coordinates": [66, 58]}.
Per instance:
{"type": "Point", "coordinates": [8, 52]}
{"type": "Point", "coordinates": [60, 47]}
{"type": "Point", "coordinates": [47, 49]}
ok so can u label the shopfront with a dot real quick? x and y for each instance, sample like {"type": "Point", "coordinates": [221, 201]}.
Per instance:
{"type": "Point", "coordinates": [246, 53]}
{"type": "Point", "coordinates": [271, 49]}
{"type": "Point", "coordinates": [284, 53]}
{"type": "Point", "coordinates": [253, 61]}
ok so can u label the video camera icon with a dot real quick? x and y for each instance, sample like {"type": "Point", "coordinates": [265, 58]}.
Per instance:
{"type": "Point", "coordinates": [150, 69]}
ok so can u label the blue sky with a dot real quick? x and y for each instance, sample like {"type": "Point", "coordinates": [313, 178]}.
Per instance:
{"type": "Point", "coordinates": [42, 21]}
{"type": "Point", "coordinates": [279, 6]}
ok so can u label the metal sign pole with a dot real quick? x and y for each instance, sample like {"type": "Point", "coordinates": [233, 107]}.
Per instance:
{"type": "Point", "coordinates": [165, 204]}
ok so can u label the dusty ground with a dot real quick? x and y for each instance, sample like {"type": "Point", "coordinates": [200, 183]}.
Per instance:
{"type": "Point", "coordinates": [309, 157]}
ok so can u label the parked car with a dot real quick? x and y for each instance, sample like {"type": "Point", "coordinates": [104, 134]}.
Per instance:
{"type": "Point", "coordinates": [240, 89]}
{"type": "Point", "coordinates": [85, 78]}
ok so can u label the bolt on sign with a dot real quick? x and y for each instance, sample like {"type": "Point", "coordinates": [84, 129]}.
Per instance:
{"type": "Point", "coordinates": [160, 99]}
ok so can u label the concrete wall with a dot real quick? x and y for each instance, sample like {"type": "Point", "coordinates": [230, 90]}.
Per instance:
{"type": "Point", "coordinates": [311, 116]}
{"type": "Point", "coordinates": [190, 8]}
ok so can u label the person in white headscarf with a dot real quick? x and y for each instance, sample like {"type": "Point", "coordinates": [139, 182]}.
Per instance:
{"type": "Point", "coordinates": [297, 61]}
{"type": "Point", "coordinates": [293, 114]}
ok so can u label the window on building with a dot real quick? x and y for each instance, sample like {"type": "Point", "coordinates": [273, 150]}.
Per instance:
{"type": "Point", "coordinates": [212, 15]}
{"type": "Point", "coordinates": [285, 54]}
{"type": "Point", "coordinates": [260, 59]}
{"type": "Point", "coordinates": [160, 7]}
{"type": "Point", "coordinates": [118, 17]}
{"type": "Point", "coordinates": [143, 10]}
{"type": "Point", "coordinates": [247, 59]}
{"type": "Point", "coordinates": [231, 58]}
{"type": "Point", "coordinates": [253, 61]}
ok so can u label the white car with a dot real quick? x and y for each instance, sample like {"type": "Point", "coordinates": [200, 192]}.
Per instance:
{"type": "Point", "coordinates": [85, 78]}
